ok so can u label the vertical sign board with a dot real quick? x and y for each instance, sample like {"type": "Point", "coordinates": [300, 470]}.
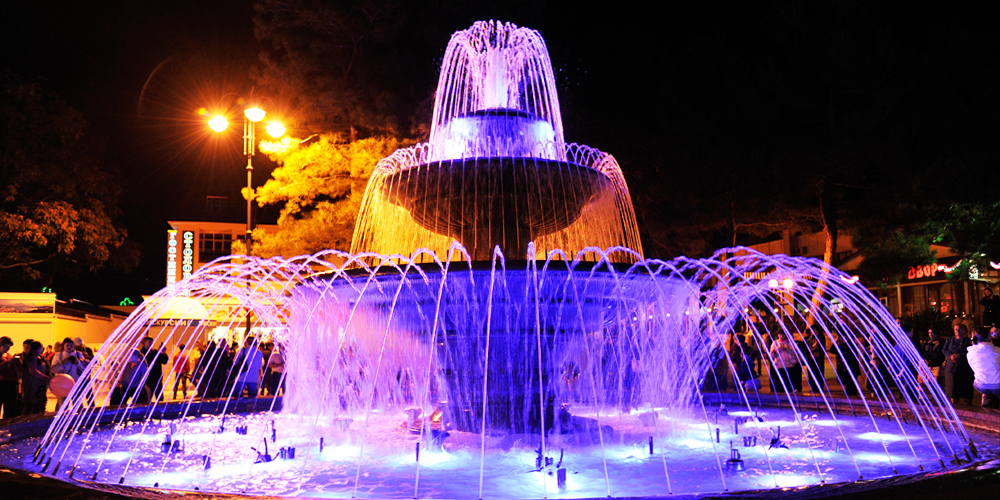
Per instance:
{"type": "Point", "coordinates": [187, 259]}
{"type": "Point", "coordinates": [171, 256]}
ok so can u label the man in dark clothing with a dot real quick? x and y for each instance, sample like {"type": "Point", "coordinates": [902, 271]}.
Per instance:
{"type": "Point", "coordinates": [932, 351]}
{"type": "Point", "coordinates": [958, 374]}
{"type": "Point", "coordinates": [155, 359]}
{"type": "Point", "coordinates": [9, 375]}
{"type": "Point", "coordinates": [848, 368]}
{"type": "Point", "coordinates": [991, 307]}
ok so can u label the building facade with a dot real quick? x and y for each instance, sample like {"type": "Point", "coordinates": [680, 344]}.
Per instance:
{"type": "Point", "coordinates": [193, 244]}
{"type": "Point", "coordinates": [933, 286]}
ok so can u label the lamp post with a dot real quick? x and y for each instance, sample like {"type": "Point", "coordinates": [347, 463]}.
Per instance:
{"type": "Point", "coordinates": [251, 116]}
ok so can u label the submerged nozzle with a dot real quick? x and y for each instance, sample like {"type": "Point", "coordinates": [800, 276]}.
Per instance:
{"type": "Point", "coordinates": [735, 462]}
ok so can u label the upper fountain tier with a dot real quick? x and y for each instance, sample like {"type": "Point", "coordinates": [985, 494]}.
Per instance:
{"type": "Point", "coordinates": [496, 95]}
{"type": "Point", "coordinates": [497, 171]}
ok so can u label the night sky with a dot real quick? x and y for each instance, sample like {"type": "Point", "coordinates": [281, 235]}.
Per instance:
{"type": "Point", "coordinates": [688, 98]}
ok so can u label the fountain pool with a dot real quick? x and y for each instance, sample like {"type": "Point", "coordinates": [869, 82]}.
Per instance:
{"type": "Point", "coordinates": [684, 458]}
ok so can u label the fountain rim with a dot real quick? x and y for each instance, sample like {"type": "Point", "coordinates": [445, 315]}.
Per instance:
{"type": "Point", "coordinates": [983, 468]}
{"type": "Point", "coordinates": [421, 154]}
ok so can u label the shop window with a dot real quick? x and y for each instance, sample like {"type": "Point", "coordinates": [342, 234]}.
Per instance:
{"type": "Point", "coordinates": [216, 205]}
{"type": "Point", "coordinates": [908, 304]}
{"type": "Point", "coordinates": [947, 296]}
{"type": "Point", "coordinates": [212, 246]}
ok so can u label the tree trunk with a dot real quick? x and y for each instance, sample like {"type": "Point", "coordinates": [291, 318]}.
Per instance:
{"type": "Point", "coordinates": [828, 211]}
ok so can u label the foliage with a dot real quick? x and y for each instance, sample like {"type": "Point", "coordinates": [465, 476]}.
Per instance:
{"type": "Point", "coordinates": [889, 253]}
{"type": "Point", "coordinates": [57, 206]}
{"type": "Point", "coordinates": [972, 230]}
{"type": "Point", "coordinates": [321, 185]}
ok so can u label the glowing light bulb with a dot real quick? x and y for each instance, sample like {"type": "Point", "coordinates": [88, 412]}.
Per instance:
{"type": "Point", "coordinates": [772, 283]}
{"type": "Point", "coordinates": [218, 123]}
{"type": "Point", "coordinates": [276, 129]}
{"type": "Point", "coordinates": [788, 283]}
{"type": "Point", "coordinates": [254, 114]}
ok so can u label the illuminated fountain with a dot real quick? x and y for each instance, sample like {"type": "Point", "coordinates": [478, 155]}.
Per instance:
{"type": "Point", "coordinates": [496, 331]}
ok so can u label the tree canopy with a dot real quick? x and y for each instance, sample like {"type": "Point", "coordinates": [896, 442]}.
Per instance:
{"type": "Point", "coordinates": [57, 203]}
{"type": "Point", "coordinates": [340, 64]}
{"type": "Point", "coordinates": [321, 185]}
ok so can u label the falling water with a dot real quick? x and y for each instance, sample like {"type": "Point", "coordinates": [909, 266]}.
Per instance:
{"type": "Point", "coordinates": [592, 360]}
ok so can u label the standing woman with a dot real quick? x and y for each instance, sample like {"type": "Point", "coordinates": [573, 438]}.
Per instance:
{"type": "Point", "coordinates": [69, 362]}
{"type": "Point", "coordinates": [34, 388]}
{"type": "Point", "coordinates": [276, 363]}
{"type": "Point", "coordinates": [133, 381]}
{"type": "Point", "coordinates": [9, 374]}
{"type": "Point", "coordinates": [957, 373]}
{"type": "Point", "coordinates": [932, 353]}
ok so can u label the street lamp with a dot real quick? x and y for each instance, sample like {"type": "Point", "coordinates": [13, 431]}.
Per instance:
{"type": "Point", "coordinates": [252, 116]}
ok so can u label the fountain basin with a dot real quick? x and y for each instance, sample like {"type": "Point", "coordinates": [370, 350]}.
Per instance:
{"type": "Point", "coordinates": [687, 452]}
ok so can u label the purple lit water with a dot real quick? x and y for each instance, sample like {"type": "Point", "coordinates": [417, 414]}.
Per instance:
{"type": "Point", "coordinates": [684, 459]}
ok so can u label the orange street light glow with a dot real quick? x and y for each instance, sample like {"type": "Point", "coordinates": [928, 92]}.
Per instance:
{"type": "Point", "coordinates": [218, 123]}
{"type": "Point", "coordinates": [276, 129]}
{"type": "Point", "coordinates": [254, 114]}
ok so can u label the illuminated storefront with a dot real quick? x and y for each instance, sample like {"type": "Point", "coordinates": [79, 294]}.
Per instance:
{"type": "Point", "coordinates": [192, 244]}
{"type": "Point", "coordinates": [933, 286]}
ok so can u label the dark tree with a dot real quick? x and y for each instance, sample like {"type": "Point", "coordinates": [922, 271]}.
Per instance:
{"type": "Point", "coordinates": [57, 204]}
{"type": "Point", "coordinates": [339, 64]}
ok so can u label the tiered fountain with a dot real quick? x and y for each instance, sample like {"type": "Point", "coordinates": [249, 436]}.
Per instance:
{"type": "Point", "coordinates": [496, 332]}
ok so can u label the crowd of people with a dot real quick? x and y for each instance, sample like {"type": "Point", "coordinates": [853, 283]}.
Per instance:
{"type": "Point", "coordinates": [211, 370]}
{"type": "Point", "coordinates": [24, 377]}
{"type": "Point", "coordinates": [961, 363]}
